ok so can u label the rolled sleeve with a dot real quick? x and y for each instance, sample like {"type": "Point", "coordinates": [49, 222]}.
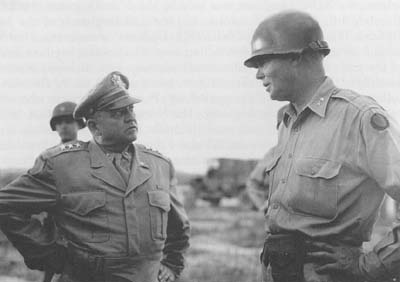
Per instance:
{"type": "Point", "coordinates": [384, 260]}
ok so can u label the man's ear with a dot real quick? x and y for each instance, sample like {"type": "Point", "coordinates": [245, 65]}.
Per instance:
{"type": "Point", "coordinates": [92, 125]}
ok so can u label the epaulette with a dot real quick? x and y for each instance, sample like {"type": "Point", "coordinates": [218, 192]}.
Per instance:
{"type": "Point", "coordinates": [361, 102]}
{"type": "Point", "coordinates": [64, 148]}
{"type": "Point", "coordinates": [152, 152]}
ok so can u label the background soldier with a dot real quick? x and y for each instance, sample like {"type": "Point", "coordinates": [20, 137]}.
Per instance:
{"type": "Point", "coordinates": [113, 201]}
{"type": "Point", "coordinates": [63, 122]}
{"type": "Point", "coordinates": [337, 155]}
{"type": "Point", "coordinates": [67, 127]}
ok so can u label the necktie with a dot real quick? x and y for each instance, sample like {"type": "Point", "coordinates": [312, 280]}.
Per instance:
{"type": "Point", "coordinates": [123, 165]}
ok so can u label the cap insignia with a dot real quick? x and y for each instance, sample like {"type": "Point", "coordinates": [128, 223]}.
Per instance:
{"type": "Point", "coordinates": [117, 81]}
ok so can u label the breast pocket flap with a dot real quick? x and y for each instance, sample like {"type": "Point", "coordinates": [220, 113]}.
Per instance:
{"type": "Point", "coordinates": [83, 203]}
{"type": "Point", "coordinates": [159, 199]}
{"type": "Point", "coordinates": [317, 168]}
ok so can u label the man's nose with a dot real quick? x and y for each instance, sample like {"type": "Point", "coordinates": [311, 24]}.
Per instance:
{"type": "Point", "coordinates": [130, 115]}
{"type": "Point", "coordinates": [259, 74]}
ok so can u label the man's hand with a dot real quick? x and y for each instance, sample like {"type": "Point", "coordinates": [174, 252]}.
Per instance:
{"type": "Point", "coordinates": [165, 274]}
{"type": "Point", "coordinates": [334, 259]}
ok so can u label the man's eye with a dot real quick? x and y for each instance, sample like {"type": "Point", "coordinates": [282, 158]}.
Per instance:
{"type": "Point", "coordinates": [117, 114]}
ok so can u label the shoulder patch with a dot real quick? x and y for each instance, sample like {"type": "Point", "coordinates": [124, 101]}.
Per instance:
{"type": "Point", "coordinates": [379, 121]}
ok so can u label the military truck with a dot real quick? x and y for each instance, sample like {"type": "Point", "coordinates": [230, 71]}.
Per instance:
{"type": "Point", "coordinates": [225, 177]}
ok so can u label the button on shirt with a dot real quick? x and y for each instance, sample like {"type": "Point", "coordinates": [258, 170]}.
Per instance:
{"type": "Point", "coordinates": [332, 165]}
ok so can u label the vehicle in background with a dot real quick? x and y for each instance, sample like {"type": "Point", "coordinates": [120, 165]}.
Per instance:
{"type": "Point", "coordinates": [225, 178]}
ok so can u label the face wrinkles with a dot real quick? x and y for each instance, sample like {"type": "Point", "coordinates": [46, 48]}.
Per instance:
{"type": "Point", "coordinates": [117, 127]}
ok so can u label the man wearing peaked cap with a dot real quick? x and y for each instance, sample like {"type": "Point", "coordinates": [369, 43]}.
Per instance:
{"type": "Point", "coordinates": [337, 155]}
{"type": "Point", "coordinates": [111, 93]}
{"type": "Point", "coordinates": [114, 202]}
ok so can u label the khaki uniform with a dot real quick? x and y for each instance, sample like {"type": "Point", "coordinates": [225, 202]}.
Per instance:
{"type": "Point", "coordinates": [327, 175]}
{"type": "Point", "coordinates": [114, 231]}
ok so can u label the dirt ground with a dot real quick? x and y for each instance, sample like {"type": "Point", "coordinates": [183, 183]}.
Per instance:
{"type": "Point", "coordinates": [225, 247]}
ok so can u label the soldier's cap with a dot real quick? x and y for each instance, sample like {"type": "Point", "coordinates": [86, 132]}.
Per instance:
{"type": "Point", "coordinates": [110, 94]}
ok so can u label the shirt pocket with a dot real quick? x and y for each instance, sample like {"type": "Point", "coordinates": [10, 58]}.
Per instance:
{"type": "Point", "coordinates": [86, 216]}
{"type": "Point", "coordinates": [160, 205]}
{"type": "Point", "coordinates": [315, 188]}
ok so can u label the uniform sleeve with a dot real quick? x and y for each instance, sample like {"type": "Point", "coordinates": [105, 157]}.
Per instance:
{"type": "Point", "coordinates": [30, 194]}
{"type": "Point", "coordinates": [178, 231]}
{"type": "Point", "coordinates": [379, 150]}
{"type": "Point", "coordinates": [379, 157]}
{"type": "Point", "coordinates": [257, 186]}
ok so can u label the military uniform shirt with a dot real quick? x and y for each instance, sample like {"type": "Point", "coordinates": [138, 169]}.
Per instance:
{"type": "Point", "coordinates": [140, 222]}
{"type": "Point", "coordinates": [327, 175]}
{"type": "Point", "coordinates": [332, 165]}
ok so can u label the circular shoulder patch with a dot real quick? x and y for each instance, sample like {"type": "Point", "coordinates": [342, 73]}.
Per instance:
{"type": "Point", "coordinates": [379, 121]}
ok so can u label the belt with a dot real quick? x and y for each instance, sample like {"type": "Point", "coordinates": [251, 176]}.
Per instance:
{"type": "Point", "coordinates": [84, 266]}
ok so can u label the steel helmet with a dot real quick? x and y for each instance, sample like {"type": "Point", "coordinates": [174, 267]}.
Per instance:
{"type": "Point", "coordinates": [287, 32]}
{"type": "Point", "coordinates": [64, 109]}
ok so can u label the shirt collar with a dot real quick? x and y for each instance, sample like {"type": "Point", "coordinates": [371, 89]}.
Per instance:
{"type": "Point", "coordinates": [126, 153]}
{"type": "Point", "coordinates": [288, 114]}
{"type": "Point", "coordinates": [318, 102]}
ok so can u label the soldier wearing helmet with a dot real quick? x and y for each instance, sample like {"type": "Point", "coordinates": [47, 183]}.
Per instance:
{"type": "Point", "coordinates": [63, 122]}
{"type": "Point", "coordinates": [337, 155]}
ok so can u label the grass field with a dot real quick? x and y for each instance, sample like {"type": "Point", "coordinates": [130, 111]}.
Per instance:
{"type": "Point", "coordinates": [226, 243]}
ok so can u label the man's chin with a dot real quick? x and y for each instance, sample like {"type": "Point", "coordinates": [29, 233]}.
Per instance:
{"type": "Point", "coordinates": [132, 138]}
{"type": "Point", "coordinates": [276, 97]}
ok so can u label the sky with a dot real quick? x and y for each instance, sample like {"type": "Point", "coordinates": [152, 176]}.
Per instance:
{"type": "Point", "coordinates": [184, 59]}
